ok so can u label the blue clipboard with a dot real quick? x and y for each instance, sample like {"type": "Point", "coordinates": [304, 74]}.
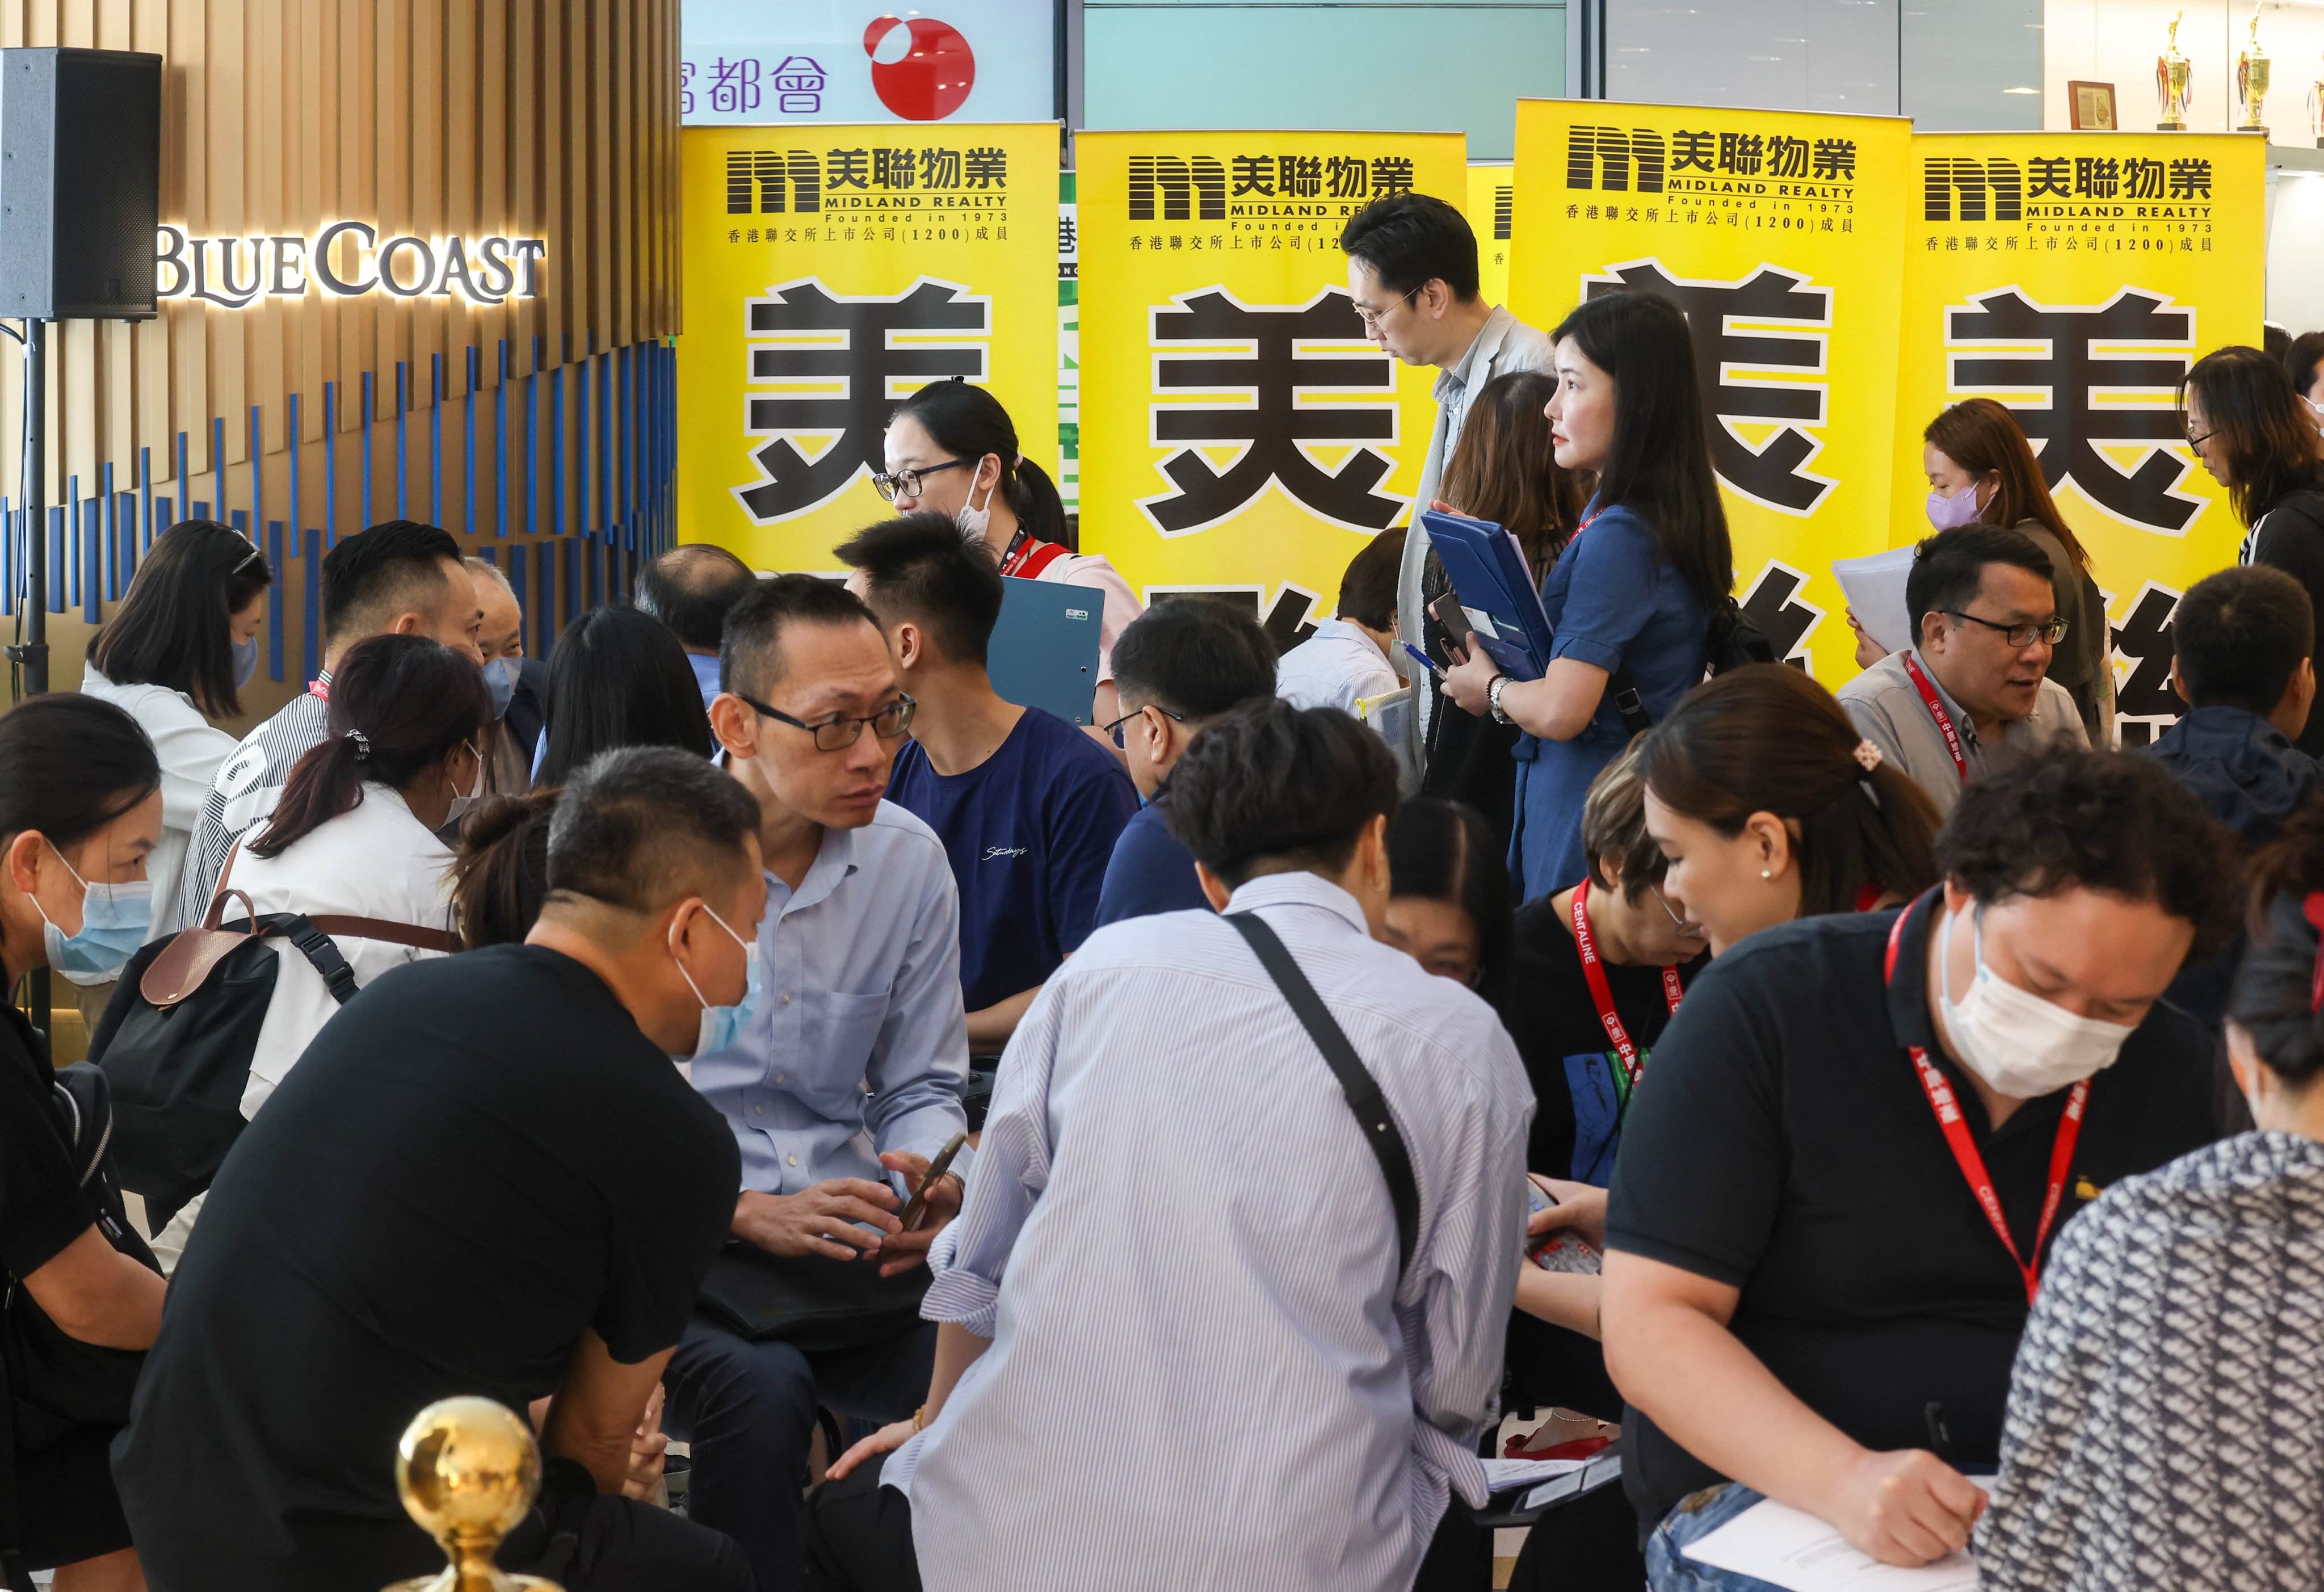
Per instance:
{"type": "Point", "coordinates": [1493, 583]}
{"type": "Point", "coordinates": [1044, 649]}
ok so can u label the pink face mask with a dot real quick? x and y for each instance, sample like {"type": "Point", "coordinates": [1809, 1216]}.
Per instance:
{"type": "Point", "coordinates": [1946, 513]}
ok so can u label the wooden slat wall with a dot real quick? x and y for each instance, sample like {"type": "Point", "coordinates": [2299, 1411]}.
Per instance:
{"type": "Point", "coordinates": [548, 118]}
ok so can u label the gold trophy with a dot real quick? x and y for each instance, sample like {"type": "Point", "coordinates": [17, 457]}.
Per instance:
{"type": "Point", "coordinates": [468, 1468]}
{"type": "Point", "coordinates": [2251, 77]}
{"type": "Point", "coordinates": [2174, 80]}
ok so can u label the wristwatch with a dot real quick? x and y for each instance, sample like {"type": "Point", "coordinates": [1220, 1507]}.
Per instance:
{"type": "Point", "coordinates": [1493, 699]}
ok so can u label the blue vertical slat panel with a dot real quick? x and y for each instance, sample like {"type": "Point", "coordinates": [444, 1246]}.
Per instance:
{"type": "Point", "coordinates": [217, 462]}
{"type": "Point", "coordinates": [436, 439]}
{"type": "Point", "coordinates": [183, 474]}
{"type": "Point", "coordinates": [545, 618]}
{"type": "Point", "coordinates": [91, 514]}
{"type": "Point", "coordinates": [606, 501]}
{"type": "Point", "coordinates": [111, 533]}
{"type": "Point", "coordinates": [126, 512]}
{"type": "Point", "coordinates": [468, 435]}
{"type": "Point", "coordinates": [572, 558]}
{"type": "Point", "coordinates": [367, 418]}
{"type": "Point", "coordinates": [274, 600]}
{"type": "Point", "coordinates": [144, 500]}
{"type": "Point", "coordinates": [556, 451]}
{"type": "Point", "coordinates": [593, 557]}
{"type": "Point", "coordinates": [582, 517]}
{"type": "Point", "coordinates": [162, 520]}
{"type": "Point", "coordinates": [72, 511]}
{"type": "Point", "coordinates": [257, 477]}
{"type": "Point", "coordinates": [500, 436]}
{"type": "Point", "coordinates": [402, 466]}
{"type": "Point", "coordinates": [310, 562]}
{"type": "Point", "coordinates": [57, 559]}
{"type": "Point", "coordinates": [295, 443]}
{"type": "Point", "coordinates": [526, 612]}
{"type": "Point", "coordinates": [532, 449]}
{"type": "Point", "coordinates": [330, 466]}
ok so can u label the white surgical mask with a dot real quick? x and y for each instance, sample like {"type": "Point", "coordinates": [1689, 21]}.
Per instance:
{"type": "Point", "coordinates": [2022, 1045]}
{"type": "Point", "coordinates": [972, 519]}
{"type": "Point", "coordinates": [245, 661]}
{"type": "Point", "coordinates": [463, 800]}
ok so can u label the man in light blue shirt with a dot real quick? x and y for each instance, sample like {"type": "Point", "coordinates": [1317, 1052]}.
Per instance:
{"type": "Point", "coordinates": [691, 589]}
{"type": "Point", "coordinates": [848, 1066]}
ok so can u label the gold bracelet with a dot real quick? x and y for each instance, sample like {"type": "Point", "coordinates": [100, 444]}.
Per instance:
{"type": "Point", "coordinates": [920, 1418]}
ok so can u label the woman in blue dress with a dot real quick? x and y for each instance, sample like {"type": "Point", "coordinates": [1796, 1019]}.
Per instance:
{"type": "Point", "coordinates": [1633, 591]}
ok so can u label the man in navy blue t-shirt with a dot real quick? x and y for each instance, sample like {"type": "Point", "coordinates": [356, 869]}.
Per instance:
{"type": "Point", "coordinates": [1026, 805]}
{"type": "Point", "coordinates": [1187, 662]}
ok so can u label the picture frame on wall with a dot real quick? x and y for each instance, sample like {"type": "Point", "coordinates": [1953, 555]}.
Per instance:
{"type": "Point", "coordinates": [2091, 107]}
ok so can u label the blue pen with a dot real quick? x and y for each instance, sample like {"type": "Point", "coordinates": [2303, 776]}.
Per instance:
{"type": "Point", "coordinates": [1421, 658]}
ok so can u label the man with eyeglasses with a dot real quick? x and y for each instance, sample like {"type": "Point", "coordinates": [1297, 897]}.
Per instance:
{"type": "Point", "coordinates": [1412, 274]}
{"type": "Point", "coordinates": [840, 1073]}
{"type": "Point", "coordinates": [1973, 694]}
{"type": "Point", "coordinates": [1028, 806]}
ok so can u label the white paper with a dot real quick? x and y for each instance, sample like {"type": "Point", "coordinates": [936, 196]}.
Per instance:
{"type": "Point", "coordinates": [1503, 1475]}
{"type": "Point", "coordinates": [1790, 1548]}
{"type": "Point", "coordinates": [1875, 586]}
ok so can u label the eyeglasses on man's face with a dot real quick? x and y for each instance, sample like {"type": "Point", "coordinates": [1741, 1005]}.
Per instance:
{"type": "Point", "coordinates": [1114, 729]}
{"type": "Point", "coordinates": [1372, 318]}
{"type": "Point", "coordinates": [906, 483]}
{"type": "Point", "coordinates": [2052, 631]}
{"type": "Point", "coordinates": [839, 732]}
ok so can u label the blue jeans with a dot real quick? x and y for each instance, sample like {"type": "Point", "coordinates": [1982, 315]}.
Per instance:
{"type": "Point", "coordinates": [1693, 1517]}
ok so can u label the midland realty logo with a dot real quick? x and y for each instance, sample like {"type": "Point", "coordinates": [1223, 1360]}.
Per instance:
{"type": "Point", "coordinates": [347, 260]}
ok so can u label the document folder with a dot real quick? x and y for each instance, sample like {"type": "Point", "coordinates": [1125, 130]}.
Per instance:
{"type": "Point", "coordinates": [1495, 586]}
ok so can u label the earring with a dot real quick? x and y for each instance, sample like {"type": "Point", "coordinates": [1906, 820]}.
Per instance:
{"type": "Point", "coordinates": [1766, 873]}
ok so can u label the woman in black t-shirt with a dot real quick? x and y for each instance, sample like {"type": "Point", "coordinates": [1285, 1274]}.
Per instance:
{"type": "Point", "coordinates": [80, 810]}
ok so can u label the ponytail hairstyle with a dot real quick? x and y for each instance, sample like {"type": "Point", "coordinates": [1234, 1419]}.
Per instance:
{"type": "Point", "coordinates": [1660, 464]}
{"type": "Point", "coordinates": [968, 422]}
{"type": "Point", "coordinates": [1983, 439]}
{"type": "Point", "coordinates": [1767, 739]}
{"type": "Point", "coordinates": [2273, 997]}
{"type": "Point", "coordinates": [500, 874]}
{"type": "Point", "coordinates": [171, 628]}
{"type": "Point", "coordinates": [399, 704]}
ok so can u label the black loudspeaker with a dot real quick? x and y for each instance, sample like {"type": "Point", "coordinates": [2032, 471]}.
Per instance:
{"type": "Point", "coordinates": [81, 183]}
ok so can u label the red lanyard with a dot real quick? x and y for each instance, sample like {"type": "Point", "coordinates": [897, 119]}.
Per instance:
{"type": "Point", "coordinates": [1937, 711]}
{"type": "Point", "coordinates": [1029, 555]}
{"type": "Point", "coordinates": [1594, 972]}
{"type": "Point", "coordinates": [1942, 1100]}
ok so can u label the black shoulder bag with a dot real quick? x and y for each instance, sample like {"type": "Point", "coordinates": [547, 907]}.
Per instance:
{"type": "Point", "coordinates": [1356, 1083]}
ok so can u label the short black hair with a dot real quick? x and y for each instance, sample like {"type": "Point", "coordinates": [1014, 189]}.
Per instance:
{"type": "Point", "coordinates": [397, 565]}
{"type": "Point", "coordinates": [691, 589]}
{"type": "Point", "coordinates": [1368, 588]}
{"type": "Point", "coordinates": [1949, 567]}
{"type": "Point", "coordinates": [1193, 655]}
{"type": "Point", "coordinates": [1445, 850]}
{"type": "Point", "coordinates": [1268, 787]}
{"type": "Point", "coordinates": [643, 826]}
{"type": "Point", "coordinates": [918, 567]}
{"type": "Point", "coordinates": [2106, 821]}
{"type": "Point", "coordinates": [1410, 239]}
{"type": "Point", "coordinates": [171, 627]}
{"type": "Point", "coordinates": [749, 657]}
{"type": "Point", "coordinates": [2301, 357]}
{"type": "Point", "coordinates": [619, 677]}
{"type": "Point", "coordinates": [2239, 636]}
{"type": "Point", "coordinates": [69, 765]}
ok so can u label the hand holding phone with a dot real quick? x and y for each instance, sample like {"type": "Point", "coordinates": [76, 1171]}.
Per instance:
{"type": "Point", "coordinates": [918, 1204]}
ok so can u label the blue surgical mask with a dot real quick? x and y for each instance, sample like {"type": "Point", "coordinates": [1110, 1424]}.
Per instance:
{"type": "Point", "coordinates": [500, 679]}
{"type": "Point", "coordinates": [722, 1026]}
{"type": "Point", "coordinates": [245, 661]}
{"type": "Point", "coordinates": [114, 920]}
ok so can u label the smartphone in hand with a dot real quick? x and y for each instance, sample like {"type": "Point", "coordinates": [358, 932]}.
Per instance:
{"type": "Point", "coordinates": [918, 1206]}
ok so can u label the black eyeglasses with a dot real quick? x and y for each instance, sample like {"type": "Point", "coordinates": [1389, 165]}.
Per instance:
{"type": "Point", "coordinates": [2195, 441]}
{"type": "Point", "coordinates": [2050, 630]}
{"type": "Point", "coordinates": [906, 483]}
{"type": "Point", "coordinates": [1114, 729]}
{"type": "Point", "coordinates": [839, 732]}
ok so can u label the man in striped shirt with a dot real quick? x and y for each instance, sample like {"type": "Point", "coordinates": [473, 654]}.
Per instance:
{"type": "Point", "coordinates": [1177, 1347]}
{"type": "Point", "coordinates": [399, 577]}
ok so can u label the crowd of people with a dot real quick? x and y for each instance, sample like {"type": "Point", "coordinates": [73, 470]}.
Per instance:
{"type": "Point", "coordinates": [1163, 1149]}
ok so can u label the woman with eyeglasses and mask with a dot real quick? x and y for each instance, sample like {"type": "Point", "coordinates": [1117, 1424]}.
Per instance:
{"type": "Point", "coordinates": [1767, 806]}
{"type": "Point", "coordinates": [80, 820]}
{"type": "Point", "coordinates": [174, 656]}
{"type": "Point", "coordinates": [356, 833]}
{"type": "Point", "coordinates": [952, 450]}
{"type": "Point", "coordinates": [2246, 423]}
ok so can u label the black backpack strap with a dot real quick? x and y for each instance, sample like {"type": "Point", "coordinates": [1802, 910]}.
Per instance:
{"type": "Point", "coordinates": [1356, 1081]}
{"type": "Point", "coordinates": [1623, 691]}
{"type": "Point", "coordinates": [318, 948]}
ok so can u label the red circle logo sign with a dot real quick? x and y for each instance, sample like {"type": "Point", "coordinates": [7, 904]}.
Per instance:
{"type": "Point", "coordinates": [922, 69]}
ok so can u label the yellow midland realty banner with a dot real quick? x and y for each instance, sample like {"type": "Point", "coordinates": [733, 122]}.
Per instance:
{"type": "Point", "coordinates": [2074, 277]}
{"type": "Point", "coordinates": [1238, 432]}
{"type": "Point", "coordinates": [831, 271]}
{"type": "Point", "coordinates": [1781, 235]}
{"type": "Point", "coordinates": [1492, 186]}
